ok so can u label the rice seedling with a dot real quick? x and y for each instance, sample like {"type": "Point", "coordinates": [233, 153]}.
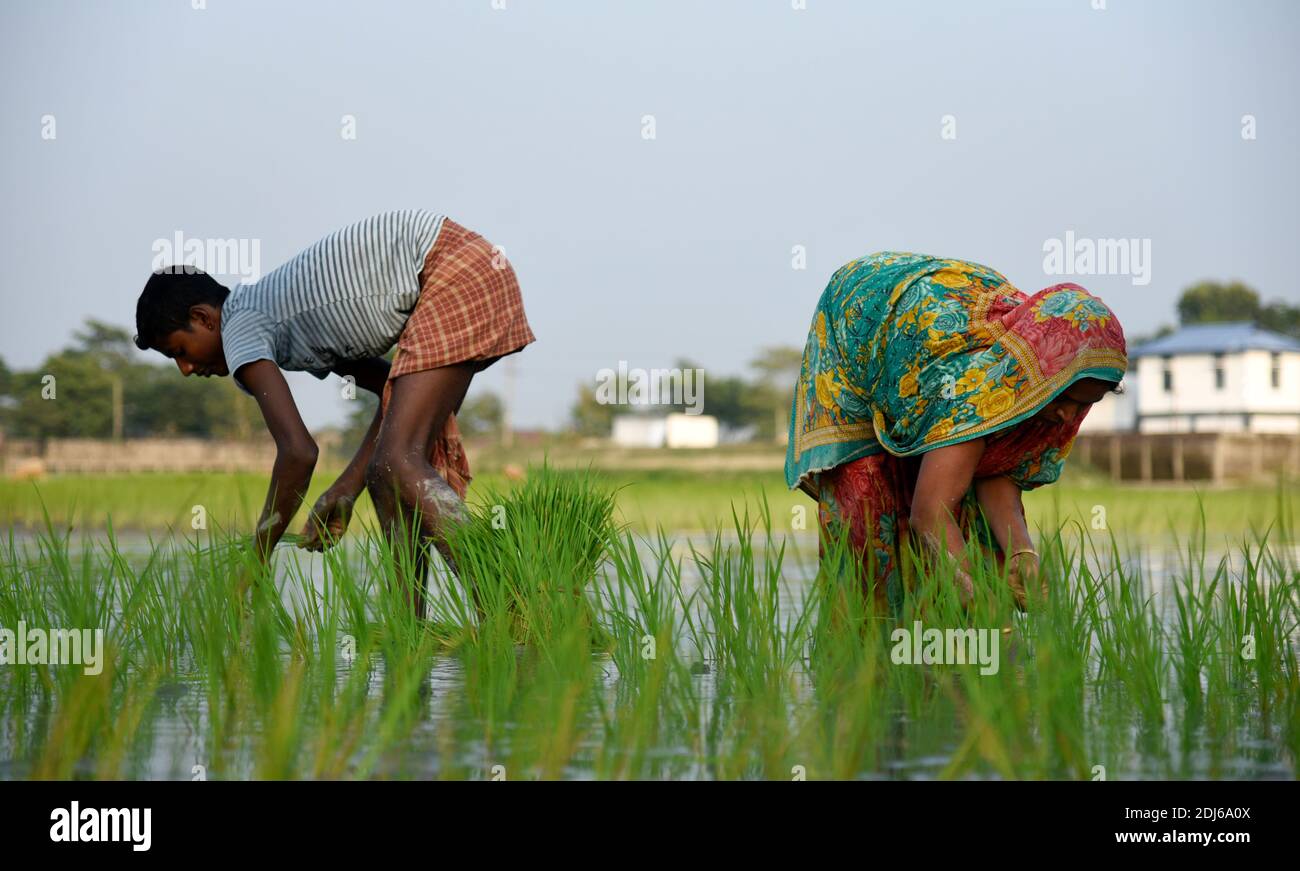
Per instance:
{"type": "Point", "coordinates": [567, 646]}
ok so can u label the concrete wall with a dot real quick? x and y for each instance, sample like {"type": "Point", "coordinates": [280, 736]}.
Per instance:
{"type": "Point", "coordinates": [157, 455]}
{"type": "Point", "coordinates": [25, 458]}
{"type": "Point", "coordinates": [1213, 457]}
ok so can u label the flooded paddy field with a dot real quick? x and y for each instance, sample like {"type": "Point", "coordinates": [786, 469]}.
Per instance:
{"type": "Point", "coordinates": [588, 651]}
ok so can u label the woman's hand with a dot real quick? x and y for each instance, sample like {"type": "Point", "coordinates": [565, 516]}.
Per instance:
{"type": "Point", "coordinates": [1023, 576]}
{"type": "Point", "coordinates": [1000, 499]}
{"type": "Point", "coordinates": [329, 518]}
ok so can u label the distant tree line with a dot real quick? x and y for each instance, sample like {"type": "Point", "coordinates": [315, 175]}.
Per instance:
{"type": "Point", "coordinates": [97, 387]}
{"type": "Point", "coordinates": [101, 389]}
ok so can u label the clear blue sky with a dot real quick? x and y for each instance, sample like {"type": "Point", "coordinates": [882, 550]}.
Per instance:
{"type": "Point", "coordinates": [775, 127]}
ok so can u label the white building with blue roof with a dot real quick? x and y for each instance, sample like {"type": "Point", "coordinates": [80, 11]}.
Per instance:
{"type": "Point", "coordinates": [1225, 377]}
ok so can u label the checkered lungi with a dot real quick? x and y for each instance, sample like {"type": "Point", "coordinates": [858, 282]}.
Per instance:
{"type": "Point", "coordinates": [469, 310]}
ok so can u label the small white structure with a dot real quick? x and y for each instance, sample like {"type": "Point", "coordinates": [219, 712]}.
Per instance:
{"type": "Point", "coordinates": [1228, 377]}
{"type": "Point", "coordinates": [639, 431]}
{"type": "Point", "coordinates": [665, 431]}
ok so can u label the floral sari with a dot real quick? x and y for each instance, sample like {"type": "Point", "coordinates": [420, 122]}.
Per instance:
{"type": "Point", "coordinates": [908, 353]}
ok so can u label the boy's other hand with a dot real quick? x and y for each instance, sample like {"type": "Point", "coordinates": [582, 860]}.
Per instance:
{"type": "Point", "coordinates": [328, 519]}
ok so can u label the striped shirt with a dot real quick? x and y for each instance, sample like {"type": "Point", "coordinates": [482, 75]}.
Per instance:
{"type": "Point", "coordinates": [347, 297]}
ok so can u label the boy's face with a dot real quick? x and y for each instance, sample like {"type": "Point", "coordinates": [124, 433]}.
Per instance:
{"type": "Point", "coordinates": [198, 351]}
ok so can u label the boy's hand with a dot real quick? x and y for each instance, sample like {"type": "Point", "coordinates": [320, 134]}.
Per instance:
{"type": "Point", "coordinates": [328, 519]}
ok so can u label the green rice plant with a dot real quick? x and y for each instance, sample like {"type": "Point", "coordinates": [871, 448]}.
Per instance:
{"type": "Point", "coordinates": [653, 698]}
{"type": "Point", "coordinates": [529, 555]}
{"type": "Point", "coordinates": [1059, 645]}
{"type": "Point", "coordinates": [847, 662]}
{"type": "Point", "coordinates": [568, 649]}
{"type": "Point", "coordinates": [554, 711]}
{"type": "Point", "coordinates": [640, 613]}
{"type": "Point", "coordinates": [740, 625]}
{"type": "Point", "coordinates": [79, 715]}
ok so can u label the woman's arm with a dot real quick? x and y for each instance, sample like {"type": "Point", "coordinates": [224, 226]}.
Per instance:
{"type": "Point", "coordinates": [945, 477]}
{"type": "Point", "coordinates": [1004, 510]}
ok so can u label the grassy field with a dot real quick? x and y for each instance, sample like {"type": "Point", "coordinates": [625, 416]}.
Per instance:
{"type": "Point", "coordinates": [576, 652]}
{"type": "Point", "coordinates": [682, 491]}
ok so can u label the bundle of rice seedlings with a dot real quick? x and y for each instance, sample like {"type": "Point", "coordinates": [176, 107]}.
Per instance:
{"type": "Point", "coordinates": [528, 555]}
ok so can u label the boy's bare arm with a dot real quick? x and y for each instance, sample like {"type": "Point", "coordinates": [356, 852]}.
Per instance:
{"type": "Point", "coordinates": [370, 375]}
{"type": "Point", "coordinates": [295, 450]}
{"type": "Point", "coordinates": [333, 510]}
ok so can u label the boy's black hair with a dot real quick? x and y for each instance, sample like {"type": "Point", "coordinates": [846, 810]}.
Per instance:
{"type": "Point", "coordinates": [165, 302]}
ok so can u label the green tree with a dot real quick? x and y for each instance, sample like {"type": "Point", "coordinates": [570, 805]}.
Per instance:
{"type": "Point", "coordinates": [1209, 302]}
{"type": "Point", "coordinates": [777, 368]}
{"type": "Point", "coordinates": [735, 402]}
{"type": "Point", "coordinates": [1281, 318]}
{"type": "Point", "coordinates": [111, 345]}
{"type": "Point", "coordinates": [68, 395]}
{"type": "Point", "coordinates": [155, 399]}
{"type": "Point", "coordinates": [160, 401]}
{"type": "Point", "coordinates": [1214, 302]}
{"type": "Point", "coordinates": [589, 416]}
{"type": "Point", "coordinates": [481, 415]}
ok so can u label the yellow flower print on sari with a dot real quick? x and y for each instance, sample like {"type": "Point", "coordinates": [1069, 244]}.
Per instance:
{"type": "Point", "coordinates": [941, 346]}
{"type": "Point", "coordinates": [940, 430]}
{"type": "Point", "coordinates": [970, 381]}
{"type": "Point", "coordinates": [991, 403]}
{"type": "Point", "coordinates": [826, 389]}
{"type": "Point", "coordinates": [908, 384]}
{"type": "Point", "coordinates": [951, 278]}
{"type": "Point", "coordinates": [821, 330]}
{"type": "Point", "coordinates": [907, 318]}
